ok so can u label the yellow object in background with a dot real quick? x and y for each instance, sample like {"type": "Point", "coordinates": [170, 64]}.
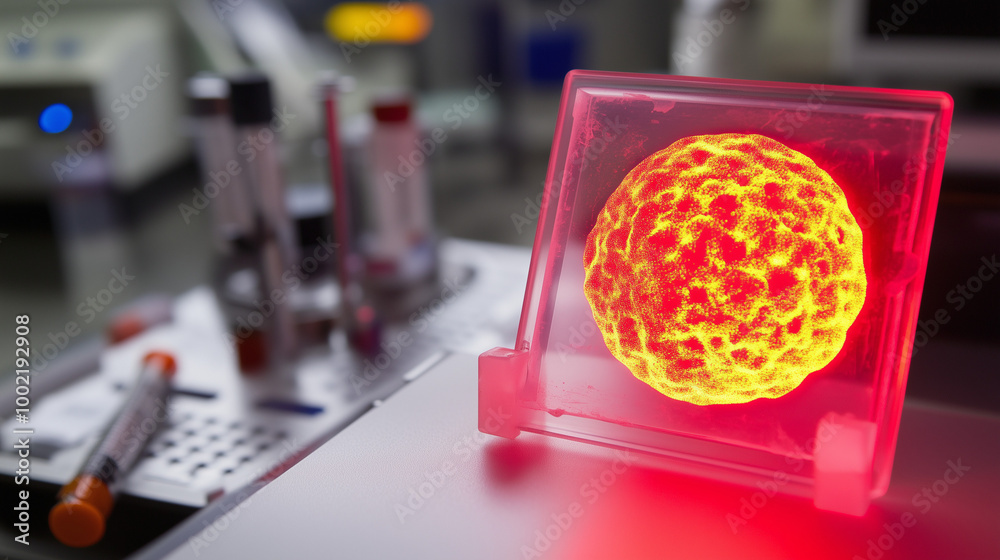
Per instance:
{"type": "Point", "coordinates": [378, 22]}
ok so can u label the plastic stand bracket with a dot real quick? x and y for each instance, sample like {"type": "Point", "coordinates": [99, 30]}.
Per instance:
{"type": "Point", "coordinates": [499, 371]}
{"type": "Point", "coordinates": [843, 464]}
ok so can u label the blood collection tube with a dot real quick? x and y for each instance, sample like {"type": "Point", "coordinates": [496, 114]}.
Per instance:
{"type": "Point", "coordinates": [232, 209]}
{"type": "Point", "coordinates": [399, 245]}
{"type": "Point", "coordinates": [347, 259]}
{"type": "Point", "coordinates": [78, 519]}
{"type": "Point", "coordinates": [252, 112]}
{"type": "Point", "coordinates": [360, 318]}
{"type": "Point", "coordinates": [274, 240]}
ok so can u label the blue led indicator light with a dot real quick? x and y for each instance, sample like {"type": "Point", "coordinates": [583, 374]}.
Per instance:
{"type": "Point", "coordinates": [55, 118]}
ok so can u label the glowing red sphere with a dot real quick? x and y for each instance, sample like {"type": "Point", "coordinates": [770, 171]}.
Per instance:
{"type": "Point", "coordinates": [725, 268]}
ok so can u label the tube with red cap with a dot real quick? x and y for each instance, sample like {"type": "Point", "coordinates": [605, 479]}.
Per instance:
{"type": "Point", "coordinates": [399, 247]}
{"type": "Point", "coordinates": [78, 519]}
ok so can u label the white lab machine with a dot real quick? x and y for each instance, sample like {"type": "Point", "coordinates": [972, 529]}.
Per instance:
{"type": "Point", "coordinates": [119, 72]}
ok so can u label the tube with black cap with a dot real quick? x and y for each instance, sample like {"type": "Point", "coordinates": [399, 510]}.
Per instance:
{"type": "Point", "coordinates": [273, 236]}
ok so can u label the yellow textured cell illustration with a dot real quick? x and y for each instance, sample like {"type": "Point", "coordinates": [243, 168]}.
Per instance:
{"type": "Point", "coordinates": [725, 268]}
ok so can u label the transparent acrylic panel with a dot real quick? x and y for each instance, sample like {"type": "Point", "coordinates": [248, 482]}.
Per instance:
{"type": "Point", "coordinates": [884, 148]}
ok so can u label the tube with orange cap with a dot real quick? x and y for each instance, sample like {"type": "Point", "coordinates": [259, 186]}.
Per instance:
{"type": "Point", "coordinates": [84, 504]}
